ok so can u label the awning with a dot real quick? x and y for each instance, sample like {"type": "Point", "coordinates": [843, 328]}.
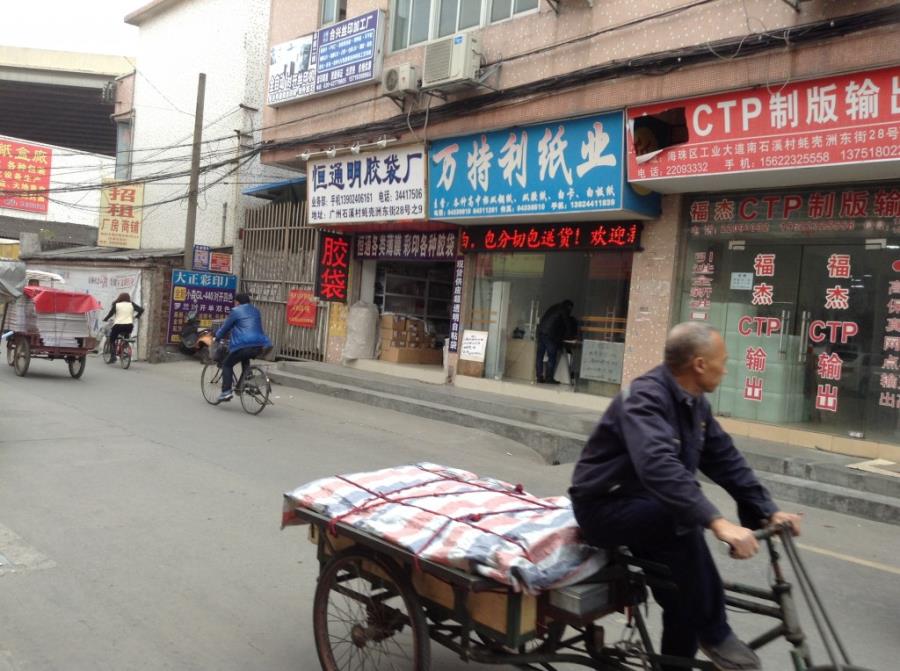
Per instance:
{"type": "Point", "coordinates": [288, 189]}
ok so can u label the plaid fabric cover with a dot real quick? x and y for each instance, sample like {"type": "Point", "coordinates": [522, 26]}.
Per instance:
{"type": "Point", "coordinates": [456, 518]}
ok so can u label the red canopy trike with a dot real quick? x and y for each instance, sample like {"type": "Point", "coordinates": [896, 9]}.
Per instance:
{"type": "Point", "coordinates": [49, 324]}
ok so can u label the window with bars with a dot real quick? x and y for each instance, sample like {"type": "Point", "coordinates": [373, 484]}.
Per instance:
{"type": "Point", "coordinates": [417, 21]}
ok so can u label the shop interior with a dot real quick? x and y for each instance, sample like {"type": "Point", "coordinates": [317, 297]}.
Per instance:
{"type": "Point", "coordinates": [417, 290]}
{"type": "Point", "coordinates": [512, 292]}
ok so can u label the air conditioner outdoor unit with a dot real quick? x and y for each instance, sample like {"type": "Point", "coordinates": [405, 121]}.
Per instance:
{"type": "Point", "coordinates": [452, 62]}
{"type": "Point", "coordinates": [400, 80]}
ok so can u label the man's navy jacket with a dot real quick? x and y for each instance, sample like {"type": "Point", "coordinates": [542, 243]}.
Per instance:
{"type": "Point", "coordinates": [652, 439]}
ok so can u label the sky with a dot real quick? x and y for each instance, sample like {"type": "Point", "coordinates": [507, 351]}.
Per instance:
{"type": "Point", "coordinates": [92, 26]}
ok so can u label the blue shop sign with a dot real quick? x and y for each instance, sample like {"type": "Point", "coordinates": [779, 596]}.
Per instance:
{"type": "Point", "coordinates": [569, 169]}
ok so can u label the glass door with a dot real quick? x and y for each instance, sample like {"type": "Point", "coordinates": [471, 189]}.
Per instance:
{"type": "Point", "coordinates": [757, 306]}
{"type": "Point", "coordinates": [837, 304]}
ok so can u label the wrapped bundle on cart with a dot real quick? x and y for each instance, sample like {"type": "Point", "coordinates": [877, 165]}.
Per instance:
{"type": "Point", "coordinates": [421, 553]}
{"type": "Point", "coordinates": [426, 552]}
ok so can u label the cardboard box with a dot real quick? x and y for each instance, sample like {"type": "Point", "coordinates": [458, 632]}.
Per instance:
{"type": "Point", "coordinates": [399, 355]}
{"type": "Point", "coordinates": [412, 355]}
{"type": "Point", "coordinates": [470, 368]}
{"type": "Point", "coordinates": [393, 322]}
{"type": "Point", "coordinates": [433, 357]}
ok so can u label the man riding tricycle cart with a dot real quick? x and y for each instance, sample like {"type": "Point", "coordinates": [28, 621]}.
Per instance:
{"type": "Point", "coordinates": [427, 553]}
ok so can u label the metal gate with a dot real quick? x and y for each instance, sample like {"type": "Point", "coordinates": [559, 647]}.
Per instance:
{"type": "Point", "coordinates": [279, 254]}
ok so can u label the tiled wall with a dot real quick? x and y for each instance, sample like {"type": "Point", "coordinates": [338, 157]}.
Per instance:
{"type": "Point", "coordinates": [652, 286]}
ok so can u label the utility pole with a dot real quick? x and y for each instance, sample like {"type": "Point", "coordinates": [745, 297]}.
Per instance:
{"type": "Point", "coordinates": [191, 223]}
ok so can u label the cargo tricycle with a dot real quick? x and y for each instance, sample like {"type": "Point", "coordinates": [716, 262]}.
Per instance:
{"type": "Point", "coordinates": [379, 606]}
{"type": "Point", "coordinates": [46, 323]}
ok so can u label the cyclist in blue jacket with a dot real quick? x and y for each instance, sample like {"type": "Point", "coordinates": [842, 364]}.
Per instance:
{"type": "Point", "coordinates": [248, 340]}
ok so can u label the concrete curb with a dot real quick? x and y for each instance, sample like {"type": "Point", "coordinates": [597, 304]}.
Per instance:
{"type": "Point", "coordinates": [874, 507]}
{"type": "Point", "coordinates": [441, 394]}
{"type": "Point", "coordinates": [554, 446]}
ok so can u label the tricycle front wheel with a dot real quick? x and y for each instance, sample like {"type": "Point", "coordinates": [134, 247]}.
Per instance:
{"type": "Point", "coordinates": [22, 356]}
{"type": "Point", "coordinates": [367, 615]}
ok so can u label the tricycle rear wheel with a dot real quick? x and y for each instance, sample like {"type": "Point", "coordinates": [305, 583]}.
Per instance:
{"type": "Point", "coordinates": [366, 614]}
{"type": "Point", "coordinates": [22, 357]}
{"type": "Point", "coordinates": [76, 366]}
{"type": "Point", "coordinates": [10, 352]}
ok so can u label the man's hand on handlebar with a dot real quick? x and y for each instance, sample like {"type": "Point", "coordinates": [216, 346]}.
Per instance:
{"type": "Point", "coordinates": [741, 540]}
{"type": "Point", "coordinates": [789, 520]}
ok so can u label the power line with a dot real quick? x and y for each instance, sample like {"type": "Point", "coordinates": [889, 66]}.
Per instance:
{"type": "Point", "coordinates": [144, 180]}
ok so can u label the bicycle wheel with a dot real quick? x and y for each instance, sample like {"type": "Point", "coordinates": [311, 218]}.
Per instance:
{"type": "Point", "coordinates": [76, 366]}
{"type": "Point", "coordinates": [125, 354]}
{"type": "Point", "coordinates": [367, 615]}
{"type": "Point", "coordinates": [255, 390]}
{"type": "Point", "coordinates": [107, 350]}
{"type": "Point", "coordinates": [211, 383]}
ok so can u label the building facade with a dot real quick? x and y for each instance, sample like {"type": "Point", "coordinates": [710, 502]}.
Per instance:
{"type": "Point", "coordinates": [547, 199]}
{"type": "Point", "coordinates": [175, 45]}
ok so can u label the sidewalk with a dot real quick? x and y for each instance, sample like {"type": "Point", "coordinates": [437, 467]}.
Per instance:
{"type": "Point", "coordinates": [557, 433]}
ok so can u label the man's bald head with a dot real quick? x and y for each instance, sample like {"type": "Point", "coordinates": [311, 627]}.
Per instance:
{"type": "Point", "coordinates": [685, 342]}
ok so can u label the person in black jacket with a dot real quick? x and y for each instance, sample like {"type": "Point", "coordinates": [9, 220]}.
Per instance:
{"type": "Point", "coordinates": [551, 331]}
{"type": "Point", "coordinates": [635, 484]}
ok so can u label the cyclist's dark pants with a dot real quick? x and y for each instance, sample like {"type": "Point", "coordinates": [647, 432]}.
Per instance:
{"type": "Point", "coordinates": [243, 354]}
{"type": "Point", "coordinates": [695, 612]}
{"type": "Point", "coordinates": [118, 331]}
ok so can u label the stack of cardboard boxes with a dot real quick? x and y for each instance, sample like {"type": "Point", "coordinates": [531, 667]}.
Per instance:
{"type": "Point", "coordinates": [406, 340]}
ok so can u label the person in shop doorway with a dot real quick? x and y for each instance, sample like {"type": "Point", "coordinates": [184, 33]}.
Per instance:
{"type": "Point", "coordinates": [552, 330]}
{"type": "Point", "coordinates": [636, 484]}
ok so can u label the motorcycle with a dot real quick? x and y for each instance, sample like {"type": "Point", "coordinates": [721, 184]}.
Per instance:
{"type": "Point", "coordinates": [196, 339]}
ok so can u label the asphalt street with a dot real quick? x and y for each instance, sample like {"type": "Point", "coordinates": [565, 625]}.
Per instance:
{"type": "Point", "coordinates": [139, 526]}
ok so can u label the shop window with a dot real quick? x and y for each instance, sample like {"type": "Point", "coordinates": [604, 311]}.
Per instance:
{"type": "Point", "coordinates": [123, 149]}
{"type": "Point", "coordinates": [504, 9]}
{"type": "Point", "coordinates": [456, 15]}
{"type": "Point", "coordinates": [654, 132]}
{"type": "Point", "coordinates": [333, 11]}
{"type": "Point", "coordinates": [417, 21]}
{"type": "Point", "coordinates": [811, 320]}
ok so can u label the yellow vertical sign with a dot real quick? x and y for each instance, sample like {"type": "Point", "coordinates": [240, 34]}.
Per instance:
{"type": "Point", "coordinates": [121, 212]}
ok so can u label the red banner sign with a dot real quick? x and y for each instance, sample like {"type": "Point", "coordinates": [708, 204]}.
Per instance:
{"type": "Point", "coordinates": [220, 262]}
{"type": "Point", "coordinates": [854, 212]}
{"type": "Point", "coordinates": [551, 237]}
{"type": "Point", "coordinates": [333, 270]}
{"type": "Point", "coordinates": [24, 168]}
{"type": "Point", "coordinates": [839, 120]}
{"type": "Point", "coordinates": [301, 308]}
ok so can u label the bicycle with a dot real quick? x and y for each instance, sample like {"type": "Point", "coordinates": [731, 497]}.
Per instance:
{"type": "Point", "coordinates": [253, 386]}
{"type": "Point", "coordinates": [124, 348]}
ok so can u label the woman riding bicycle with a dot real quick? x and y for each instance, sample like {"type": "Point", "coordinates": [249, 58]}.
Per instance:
{"type": "Point", "coordinates": [248, 340]}
{"type": "Point", "coordinates": [124, 311]}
